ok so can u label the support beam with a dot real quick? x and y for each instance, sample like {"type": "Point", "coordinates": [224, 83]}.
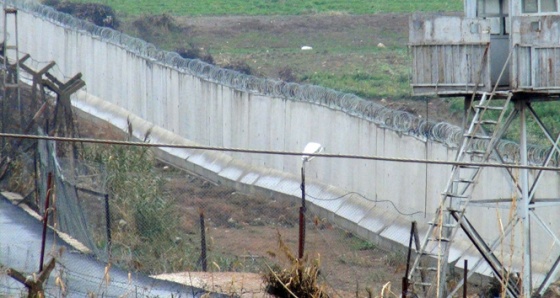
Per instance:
{"type": "Point", "coordinates": [523, 205]}
{"type": "Point", "coordinates": [499, 270]}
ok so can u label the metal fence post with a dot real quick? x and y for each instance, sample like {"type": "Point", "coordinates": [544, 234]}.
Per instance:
{"type": "Point", "coordinates": [108, 225]}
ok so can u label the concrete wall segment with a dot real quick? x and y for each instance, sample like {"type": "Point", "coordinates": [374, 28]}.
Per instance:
{"type": "Point", "coordinates": [216, 107]}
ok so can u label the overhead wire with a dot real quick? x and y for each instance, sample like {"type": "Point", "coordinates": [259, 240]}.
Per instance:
{"type": "Point", "coordinates": [277, 152]}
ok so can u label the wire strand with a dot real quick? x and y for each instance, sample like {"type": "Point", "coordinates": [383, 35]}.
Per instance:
{"type": "Point", "coordinates": [367, 199]}
{"type": "Point", "coordinates": [278, 152]}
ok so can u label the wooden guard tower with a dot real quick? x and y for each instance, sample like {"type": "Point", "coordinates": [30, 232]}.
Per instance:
{"type": "Point", "coordinates": [503, 57]}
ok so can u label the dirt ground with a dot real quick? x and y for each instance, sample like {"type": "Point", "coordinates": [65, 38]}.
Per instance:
{"type": "Point", "coordinates": [242, 233]}
{"type": "Point", "coordinates": [243, 229]}
{"type": "Point", "coordinates": [242, 236]}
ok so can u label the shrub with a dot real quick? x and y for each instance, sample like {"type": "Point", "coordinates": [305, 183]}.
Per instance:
{"type": "Point", "coordinates": [146, 237]}
{"type": "Point", "coordinates": [240, 66]}
{"type": "Point", "coordinates": [299, 279]}
{"type": "Point", "coordinates": [286, 74]}
{"type": "Point", "coordinates": [195, 53]}
{"type": "Point", "coordinates": [99, 14]}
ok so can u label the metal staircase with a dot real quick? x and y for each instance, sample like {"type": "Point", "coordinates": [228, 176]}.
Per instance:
{"type": "Point", "coordinates": [428, 273]}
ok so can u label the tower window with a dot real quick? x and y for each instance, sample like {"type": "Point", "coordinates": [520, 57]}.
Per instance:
{"type": "Point", "coordinates": [540, 6]}
{"type": "Point", "coordinates": [496, 12]}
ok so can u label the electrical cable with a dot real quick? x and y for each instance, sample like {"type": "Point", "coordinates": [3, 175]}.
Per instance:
{"type": "Point", "coordinates": [277, 152]}
{"type": "Point", "coordinates": [367, 199]}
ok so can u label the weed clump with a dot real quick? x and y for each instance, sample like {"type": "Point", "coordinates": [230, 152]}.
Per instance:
{"type": "Point", "coordinates": [298, 279]}
{"type": "Point", "coordinates": [146, 237]}
{"type": "Point", "coordinates": [99, 14]}
{"type": "Point", "coordinates": [195, 53]}
{"type": "Point", "coordinates": [240, 66]}
{"type": "Point", "coordinates": [161, 23]}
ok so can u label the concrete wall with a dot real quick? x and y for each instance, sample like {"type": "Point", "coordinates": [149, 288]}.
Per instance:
{"type": "Point", "coordinates": [184, 108]}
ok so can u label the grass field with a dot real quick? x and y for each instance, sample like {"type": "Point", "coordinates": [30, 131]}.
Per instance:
{"type": "Point", "coordinates": [266, 37]}
{"type": "Point", "coordinates": [345, 55]}
{"type": "Point", "coordinates": [274, 7]}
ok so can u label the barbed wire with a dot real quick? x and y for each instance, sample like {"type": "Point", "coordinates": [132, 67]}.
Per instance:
{"type": "Point", "coordinates": [397, 120]}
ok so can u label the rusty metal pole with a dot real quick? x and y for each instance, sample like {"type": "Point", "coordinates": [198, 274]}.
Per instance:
{"type": "Point", "coordinates": [45, 220]}
{"type": "Point", "coordinates": [203, 260]}
{"type": "Point", "coordinates": [465, 272]}
{"type": "Point", "coordinates": [108, 225]}
{"type": "Point", "coordinates": [302, 214]}
{"type": "Point", "coordinates": [405, 278]}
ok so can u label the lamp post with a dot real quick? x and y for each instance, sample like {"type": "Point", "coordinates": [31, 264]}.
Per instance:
{"type": "Point", "coordinates": [310, 148]}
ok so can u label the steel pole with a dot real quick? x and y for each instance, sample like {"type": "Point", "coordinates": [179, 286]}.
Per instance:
{"type": "Point", "coordinates": [523, 208]}
{"type": "Point", "coordinates": [302, 214]}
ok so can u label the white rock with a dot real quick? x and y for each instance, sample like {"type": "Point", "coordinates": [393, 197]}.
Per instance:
{"type": "Point", "coordinates": [306, 48]}
{"type": "Point", "coordinates": [380, 45]}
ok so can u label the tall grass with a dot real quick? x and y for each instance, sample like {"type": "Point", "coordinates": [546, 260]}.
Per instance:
{"type": "Point", "coordinates": [145, 219]}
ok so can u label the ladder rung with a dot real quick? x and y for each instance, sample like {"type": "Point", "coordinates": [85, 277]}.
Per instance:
{"type": "Point", "coordinates": [477, 152]}
{"type": "Point", "coordinates": [463, 180]}
{"type": "Point", "coordinates": [454, 210]}
{"type": "Point", "coordinates": [478, 137]}
{"type": "Point", "coordinates": [424, 284]}
{"type": "Point", "coordinates": [444, 225]}
{"type": "Point", "coordinates": [11, 85]}
{"type": "Point", "coordinates": [10, 10]}
{"type": "Point", "coordinates": [439, 239]}
{"type": "Point", "coordinates": [430, 254]}
{"type": "Point", "coordinates": [469, 167]}
{"type": "Point", "coordinates": [11, 47]}
{"type": "Point", "coordinates": [489, 122]}
{"type": "Point", "coordinates": [495, 108]}
{"type": "Point", "coordinates": [452, 195]}
{"type": "Point", "coordinates": [427, 268]}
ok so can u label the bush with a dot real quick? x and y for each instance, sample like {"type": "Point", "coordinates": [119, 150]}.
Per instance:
{"type": "Point", "coordinates": [287, 74]}
{"type": "Point", "coordinates": [299, 279]}
{"type": "Point", "coordinates": [146, 235]}
{"type": "Point", "coordinates": [195, 53]}
{"type": "Point", "coordinates": [99, 14]}
{"type": "Point", "coordinates": [240, 66]}
{"type": "Point", "coordinates": [161, 23]}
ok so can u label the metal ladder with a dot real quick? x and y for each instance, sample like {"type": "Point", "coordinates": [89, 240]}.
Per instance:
{"type": "Point", "coordinates": [429, 270]}
{"type": "Point", "coordinates": [10, 71]}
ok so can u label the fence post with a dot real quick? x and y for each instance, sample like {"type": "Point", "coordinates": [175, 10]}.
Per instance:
{"type": "Point", "coordinates": [202, 241]}
{"type": "Point", "coordinates": [465, 273]}
{"type": "Point", "coordinates": [108, 225]}
{"type": "Point", "coordinates": [405, 278]}
{"type": "Point", "coordinates": [45, 220]}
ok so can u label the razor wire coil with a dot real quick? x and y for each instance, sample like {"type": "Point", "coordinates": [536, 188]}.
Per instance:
{"type": "Point", "coordinates": [400, 121]}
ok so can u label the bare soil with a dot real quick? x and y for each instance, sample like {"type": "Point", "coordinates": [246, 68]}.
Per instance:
{"type": "Point", "coordinates": [243, 229]}
{"type": "Point", "coordinates": [242, 237]}
{"type": "Point", "coordinates": [242, 232]}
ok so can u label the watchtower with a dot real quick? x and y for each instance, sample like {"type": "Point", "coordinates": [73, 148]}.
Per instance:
{"type": "Point", "coordinates": [513, 47]}
{"type": "Point", "coordinates": [503, 58]}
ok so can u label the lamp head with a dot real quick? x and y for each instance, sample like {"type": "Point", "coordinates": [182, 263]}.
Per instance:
{"type": "Point", "coordinates": [311, 148]}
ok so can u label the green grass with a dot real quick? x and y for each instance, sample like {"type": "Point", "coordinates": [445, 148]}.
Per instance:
{"type": "Point", "coordinates": [274, 7]}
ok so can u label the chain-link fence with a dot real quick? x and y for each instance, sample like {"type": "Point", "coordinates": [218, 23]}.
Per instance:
{"type": "Point", "coordinates": [144, 216]}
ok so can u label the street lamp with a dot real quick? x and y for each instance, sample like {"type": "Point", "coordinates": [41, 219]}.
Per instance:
{"type": "Point", "coordinates": [310, 148]}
